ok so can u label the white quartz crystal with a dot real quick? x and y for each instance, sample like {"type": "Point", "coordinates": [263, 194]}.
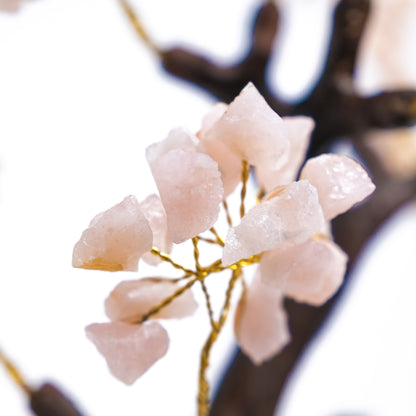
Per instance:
{"type": "Point", "coordinates": [252, 130]}
{"type": "Point", "coordinates": [130, 350]}
{"type": "Point", "coordinates": [154, 212]}
{"type": "Point", "coordinates": [191, 191]}
{"type": "Point", "coordinates": [299, 132]}
{"type": "Point", "coordinates": [132, 299]}
{"type": "Point", "coordinates": [115, 239]}
{"type": "Point", "coordinates": [292, 215]}
{"type": "Point", "coordinates": [341, 182]}
{"type": "Point", "coordinates": [309, 272]}
{"type": "Point", "coordinates": [260, 322]}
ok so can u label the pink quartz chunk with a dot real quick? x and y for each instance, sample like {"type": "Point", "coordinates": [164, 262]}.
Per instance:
{"type": "Point", "coordinates": [191, 191]}
{"type": "Point", "coordinates": [341, 182]}
{"type": "Point", "coordinates": [229, 164]}
{"type": "Point", "coordinates": [132, 299]}
{"type": "Point", "coordinates": [252, 130]}
{"type": "Point", "coordinates": [215, 113]}
{"type": "Point", "coordinates": [178, 138]}
{"type": "Point", "coordinates": [261, 323]}
{"type": "Point", "coordinates": [310, 272]}
{"type": "Point", "coordinates": [292, 215]}
{"type": "Point", "coordinates": [299, 129]}
{"type": "Point", "coordinates": [130, 350]}
{"type": "Point", "coordinates": [154, 212]}
{"type": "Point", "coordinates": [115, 239]}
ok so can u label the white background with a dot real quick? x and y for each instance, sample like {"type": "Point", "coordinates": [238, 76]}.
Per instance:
{"type": "Point", "coordinates": [80, 99]}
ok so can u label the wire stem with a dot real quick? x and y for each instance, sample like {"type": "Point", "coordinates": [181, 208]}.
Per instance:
{"type": "Point", "coordinates": [139, 27]}
{"type": "Point", "coordinates": [165, 257]}
{"type": "Point", "coordinates": [245, 171]}
{"type": "Point", "coordinates": [15, 374]}
{"type": "Point", "coordinates": [167, 301]}
{"type": "Point", "coordinates": [203, 394]}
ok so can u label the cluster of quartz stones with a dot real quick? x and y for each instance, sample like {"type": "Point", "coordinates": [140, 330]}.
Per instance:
{"type": "Point", "coordinates": [287, 231]}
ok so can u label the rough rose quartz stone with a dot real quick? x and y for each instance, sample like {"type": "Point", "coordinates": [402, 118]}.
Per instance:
{"type": "Point", "coordinates": [341, 182]}
{"type": "Point", "coordinates": [310, 272]}
{"type": "Point", "coordinates": [154, 212]}
{"type": "Point", "coordinates": [191, 191]}
{"type": "Point", "coordinates": [10, 5]}
{"type": "Point", "coordinates": [260, 322]}
{"type": "Point", "coordinates": [252, 130]}
{"type": "Point", "coordinates": [299, 130]}
{"type": "Point", "coordinates": [130, 350]}
{"type": "Point", "coordinates": [115, 239]}
{"type": "Point", "coordinates": [293, 215]}
{"type": "Point", "coordinates": [132, 299]}
{"type": "Point", "coordinates": [229, 163]}
{"type": "Point", "coordinates": [178, 138]}
{"type": "Point", "coordinates": [215, 113]}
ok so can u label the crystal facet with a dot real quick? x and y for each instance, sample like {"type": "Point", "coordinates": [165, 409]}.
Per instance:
{"type": "Point", "coordinates": [130, 350]}
{"type": "Point", "coordinates": [261, 323]}
{"type": "Point", "coordinates": [191, 191]}
{"type": "Point", "coordinates": [115, 239]}
{"type": "Point", "coordinates": [154, 212]}
{"type": "Point", "coordinates": [132, 299]}
{"type": "Point", "coordinates": [293, 215]}
{"type": "Point", "coordinates": [341, 182]}
{"type": "Point", "coordinates": [299, 130]}
{"type": "Point", "coordinates": [252, 130]}
{"type": "Point", "coordinates": [310, 272]}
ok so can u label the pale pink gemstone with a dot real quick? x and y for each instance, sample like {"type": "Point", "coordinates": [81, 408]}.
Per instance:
{"type": "Point", "coordinates": [10, 5]}
{"type": "Point", "coordinates": [260, 322]}
{"type": "Point", "coordinates": [299, 130]}
{"type": "Point", "coordinates": [341, 182]}
{"type": "Point", "coordinates": [310, 272]}
{"type": "Point", "coordinates": [252, 130]}
{"type": "Point", "coordinates": [178, 138]}
{"type": "Point", "coordinates": [215, 113]}
{"type": "Point", "coordinates": [115, 239]}
{"type": "Point", "coordinates": [292, 215]}
{"type": "Point", "coordinates": [132, 299]}
{"type": "Point", "coordinates": [229, 164]}
{"type": "Point", "coordinates": [130, 350]}
{"type": "Point", "coordinates": [191, 191]}
{"type": "Point", "coordinates": [154, 212]}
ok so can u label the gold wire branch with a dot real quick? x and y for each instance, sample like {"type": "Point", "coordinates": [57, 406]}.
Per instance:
{"type": "Point", "coordinates": [165, 302]}
{"type": "Point", "coordinates": [245, 171]}
{"type": "Point", "coordinates": [165, 257]}
{"type": "Point", "coordinates": [203, 394]}
{"type": "Point", "coordinates": [195, 241]}
{"type": "Point", "coordinates": [208, 240]}
{"type": "Point", "coordinates": [260, 195]}
{"type": "Point", "coordinates": [218, 239]}
{"type": "Point", "coordinates": [15, 374]}
{"type": "Point", "coordinates": [227, 213]}
{"type": "Point", "coordinates": [208, 303]}
{"type": "Point", "coordinates": [138, 26]}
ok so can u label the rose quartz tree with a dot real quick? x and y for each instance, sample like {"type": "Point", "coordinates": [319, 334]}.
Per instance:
{"type": "Point", "coordinates": [285, 231]}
